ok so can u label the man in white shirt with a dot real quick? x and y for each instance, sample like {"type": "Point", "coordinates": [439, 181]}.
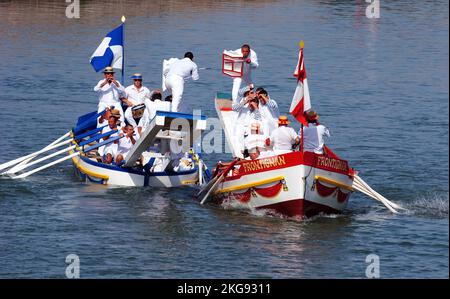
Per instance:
{"type": "Point", "coordinates": [314, 134]}
{"type": "Point", "coordinates": [269, 110]}
{"type": "Point", "coordinates": [110, 92]}
{"type": "Point", "coordinates": [250, 62]}
{"type": "Point", "coordinates": [255, 138]}
{"type": "Point", "coordinates": [152, 105]}
{"type": "Point", "coordinates": [135, 94]}
{"type": "Point", "coordinates": [253, 153]}
{"type": "Point", "coordinates": [180, 71]}
{"type": "Point", "coordinates": [125, 143]}
{"type": "Point", "coordinates": [247, 110]}
{"type": "Point", "coordinates": [109, 150]}
{"type": "Point", "coordinates": [284, 137]}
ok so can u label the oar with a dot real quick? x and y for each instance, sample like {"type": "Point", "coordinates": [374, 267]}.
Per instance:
{"type": "Point", "coordinates": [97, 137]}
{"type": "Point", "coordinates": [206, 187]}
{"type": "Point", "coordinates": [11, 163]}
{"type": "Point", "coordinates": [18, 160]}
{"type": "Point", "coordinates": [22, 167]}
{"type": "Point", "coordinates": [363, 187]}
{"type": "Point", "coordinates": [217, 180]}
{"type": "Point", "coordinates": [24, 175]}
{"type": "Point", "coordinates": [49, 147]}
{"type": "Point", "coordinates": [89, 133]}
{"type": "Point", "coordinates": [381, 197]}
{"type": "Point", "coordinates": [363, 190]}
{"type": "Point", "coordinates": [200, 172]}
{"type": "Point", "coordinates": [54, 142]}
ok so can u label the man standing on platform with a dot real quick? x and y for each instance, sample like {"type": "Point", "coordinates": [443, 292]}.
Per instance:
{"type": "Point", "coordinates": [180, 71]}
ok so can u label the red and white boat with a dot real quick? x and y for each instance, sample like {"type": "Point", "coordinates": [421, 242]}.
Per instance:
{"type": "Point", "coordinates": [296, 184]}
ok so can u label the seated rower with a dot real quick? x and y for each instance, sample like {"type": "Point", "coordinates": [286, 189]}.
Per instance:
{"type": "Point", "coordinates": [253, 153]}
{"type": "Point", "coordinates": [125, 143]}
{"type": "Point", "coordinates": [283, 138]}
{"type": "Point", "coordinates": [314, 134]}
{"type": "Point", "coordinates": [255, 138]}
{"type": "Point", "coordinates": [104, 119]}
{"type": "Point", "coordinates": [109, 151]}
{"type": "Point", "coordinates": [152, 105]}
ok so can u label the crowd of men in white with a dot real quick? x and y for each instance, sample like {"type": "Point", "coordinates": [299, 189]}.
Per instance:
{"type": "Point", "coordinates": [260, 130]}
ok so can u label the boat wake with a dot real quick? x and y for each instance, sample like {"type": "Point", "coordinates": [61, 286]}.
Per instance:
{"type": "Point", "coordinates": [433, 204]}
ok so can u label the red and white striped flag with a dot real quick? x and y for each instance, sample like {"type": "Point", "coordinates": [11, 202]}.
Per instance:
{"type": "Point", "coordinates": [301, 101]}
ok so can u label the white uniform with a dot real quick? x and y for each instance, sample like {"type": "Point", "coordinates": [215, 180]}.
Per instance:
{"type": "Point", "coordinates": [314, 137]}
{"type": "Point", "coordinates": [125, 145]}
{"type": "Point", "coordinates": [282, 140]}
{"type": "Point", "coordinates": [150, 111]}
{"type": "Point", "coordinates": [109, 95]}
{"type": "Point", "coordinates": [255, 140]}
{"type": "Point", "coordinates": [269, 115]}
{"type": "Point", "coordinates": [136, 97]}
{"type": "Point", "coordinates": [110, 148]}
{"type": "Point", "coordinates": [266, 154]}
{"type": "Point", "coordinates": [179, 72]}
{"type": "Point", "coordinates": [245, 117]}
{"type": "Point", "coordinates": [247, 73]}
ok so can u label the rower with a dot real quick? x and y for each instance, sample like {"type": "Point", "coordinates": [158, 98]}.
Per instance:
{"type": "Point", "coordinates": [253, 153]}
{"type": "Point", "coordinates": [283, 138]}
{"type": "Point", "coordinates": [255, 138]}
{"type": "Point", "coordinates": [315, 134]}
{"type": "Point", "coordinates": [152, 105]}
{"type": "Point", "coordinates": [125, 143]}
{"type": "Point", "coordinates": [109, 151]}
{"type": "Point", "coordinates": [110, 92]}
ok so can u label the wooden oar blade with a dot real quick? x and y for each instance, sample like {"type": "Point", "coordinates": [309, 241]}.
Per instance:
{"type": "Point", "coordinates": [219, 179]}
{"type": "Point", "coordinates": [207, 186]}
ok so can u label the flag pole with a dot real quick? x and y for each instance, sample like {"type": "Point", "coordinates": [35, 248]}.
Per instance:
{"type": "Point", "coordinates": [123, 49]}
{"type": "Point", "coordinates": [301, 44]}
{"type": "Point", "coordinates": [302, 139]}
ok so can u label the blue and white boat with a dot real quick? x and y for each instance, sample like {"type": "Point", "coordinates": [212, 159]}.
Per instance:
{"type": "Point", "coordinates": [156, 169]}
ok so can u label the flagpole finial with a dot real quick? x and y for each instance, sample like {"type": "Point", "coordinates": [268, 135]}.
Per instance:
{"type": "Point", "coordinates": [123, 19]}
{"type": "Point", "coordinates": [302, 44]}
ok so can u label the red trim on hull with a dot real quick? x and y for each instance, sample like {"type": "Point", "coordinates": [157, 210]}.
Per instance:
{"type": "Point", "coordinates": [300, 208]}
{"type": "Point", "coordinates": [248, 167]}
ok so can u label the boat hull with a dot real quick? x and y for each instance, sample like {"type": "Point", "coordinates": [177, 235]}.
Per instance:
{"type": "Point", "coordinates": [292, 185]}
{"type": "Point", "coordinates": [89, 170]}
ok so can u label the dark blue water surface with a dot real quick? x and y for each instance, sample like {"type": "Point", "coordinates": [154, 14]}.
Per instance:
{"type": "Point", "coordinates": [380, 85]}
